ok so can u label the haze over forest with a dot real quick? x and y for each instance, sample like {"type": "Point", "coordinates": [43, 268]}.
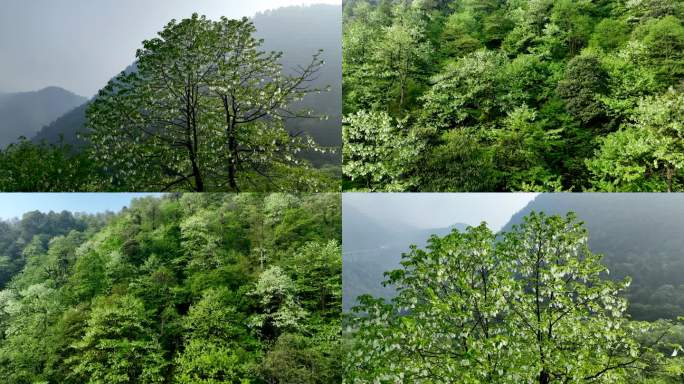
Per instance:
{"type": "Point", "coordinates": [638, 234]}
{"type": "Point", "coordinates": [85, 43]}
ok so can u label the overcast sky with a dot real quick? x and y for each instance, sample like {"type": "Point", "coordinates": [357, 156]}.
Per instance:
{"type": "Point", "coordinates": [14, 205]}
{"type": "Point", "coordinates": [80, 44]}
{"type": "Point", "coordinates": [439, 210]}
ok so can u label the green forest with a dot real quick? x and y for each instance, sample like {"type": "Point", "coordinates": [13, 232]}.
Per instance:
{"type": "Point", "coordinates": [513, 95]}
{"type": "Point", "coordinates": [532, 304]}
{"type": "Point", "coordinates": [204, 108]}
{"type": "Point", "coordinates": [185, 288]}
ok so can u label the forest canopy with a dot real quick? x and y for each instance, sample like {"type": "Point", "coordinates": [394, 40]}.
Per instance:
{"type": "Point", "coordinates": [191, 288]}
{"type": "Point", "coordinates": [513, 95]}
{"type": "Point", "coordinates": [530, 305]}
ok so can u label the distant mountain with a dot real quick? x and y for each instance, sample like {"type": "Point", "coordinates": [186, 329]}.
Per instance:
{"type": "Point", "coordinates": [23, 114]}
{"type": "Point", "coordinates": [640, 235]}
{"type": "Point", "coordinates": [299, 32]}
{"type": "Point", "coordinates": [65, 128]}
{"type": "Point", "coordinates": [69, 127]}
{"type": "Point", "coordinates": [371, 248]}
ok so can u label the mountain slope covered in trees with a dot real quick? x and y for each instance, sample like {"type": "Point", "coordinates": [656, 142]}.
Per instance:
{"type": "Point", "coordinates": [514, 95]}
{"type": "Point", "coordinates": [195, 288]}
{"type": "Point", "coordinates": [639, 236]}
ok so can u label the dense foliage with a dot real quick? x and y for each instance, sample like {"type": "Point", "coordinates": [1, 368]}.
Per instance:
{"type": "Point", "coordinates": [204, 110]}
{"type": "Point", "coordinates": [194, 288]}
{"type": "Point", "coordinates": [530, 305]}
{"type": "Point", "coordinates": [29, 167]}
{"type": "Point", "coordinates": [507, 95]}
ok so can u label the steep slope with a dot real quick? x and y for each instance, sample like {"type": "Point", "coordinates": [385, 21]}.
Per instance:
{"type": "Point", "coordinates": [290, 30]}
{"type": "Point", "coordinates": [23, 114]}
{"type": "Point", "coordinates": [69, 127]}
{"type": "Point", "coordinates": [66, 128]}
{"type": "Point", "coordinates": [299, 32]}
{"type": "Point", "coordinates": [371, 248]}
{"type": "Point", "coordinates": [640, 236]}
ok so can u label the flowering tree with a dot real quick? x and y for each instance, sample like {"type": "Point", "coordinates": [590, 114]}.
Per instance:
{"type": "Point", "coordinates": [530, 306]}
{"type": "Point", "coordinates": [203, 110]}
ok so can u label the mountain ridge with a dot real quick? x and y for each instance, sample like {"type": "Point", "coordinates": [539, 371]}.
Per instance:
{"type": "Point", "coordinates": [24, 113]}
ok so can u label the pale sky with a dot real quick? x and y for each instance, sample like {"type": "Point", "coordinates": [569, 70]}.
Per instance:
{"type": "Point", "coordinates": [14, 205]}
{"type": "Point", "coordinates": [439, 210]}
{"type": "Point", "coordinates": [80, 44]}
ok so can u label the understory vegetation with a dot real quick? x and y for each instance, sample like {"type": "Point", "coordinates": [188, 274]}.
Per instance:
{"type": "Point", "coordinates": [513, 95]}
{"type": "Point", "coordinates": [530, 305]}
{"type": "Point", "coordinates": [192, 288]}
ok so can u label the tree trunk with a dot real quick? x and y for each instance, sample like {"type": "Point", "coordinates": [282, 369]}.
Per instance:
{"type": "Point", "coordinates": [544, 377]}
{"type": "Point", "coordinates": [199, 183]}
{"type": "Point", "coordinates": [191, 137]}
{"type": "Point", "coordinates": [669, 174]}
{"type": "Point", "coordinates": [233, 160]}
{"type": "Point", "coordinates": [232, 147]}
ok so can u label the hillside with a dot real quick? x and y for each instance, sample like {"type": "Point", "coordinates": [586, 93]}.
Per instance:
{"type": "Point", "coordinates": [640, 236]}
{"type": "Point", "coordinates": [524, 95]}
{"type": "Point", "coordinates": [23, 114]}
{"type": "Point", "coordinates": [290, 30]}
{"type": "Point", "coordinates": [65, 128]}
{"type": "Point", "coordinates": [282, 30]}
{"type": "Point", "coordinates": [230, 288]}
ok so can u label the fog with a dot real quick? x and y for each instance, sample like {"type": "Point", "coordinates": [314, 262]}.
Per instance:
{"type": "Point", "coordinates": [79, 44]}
{"type": "Point", "coordinates": [437, 210]}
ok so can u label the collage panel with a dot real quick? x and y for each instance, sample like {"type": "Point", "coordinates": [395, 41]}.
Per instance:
{"type": "Point", "coordinates": [342, 191]}
{"type": "Point", "coordinates": [513, 95]}
{"type": "Point", "coordinates": [513, 288]}
{"type": "Point", "coordinates": [170, 96]}
{"type": "Point", "coordinates": [170, 288]}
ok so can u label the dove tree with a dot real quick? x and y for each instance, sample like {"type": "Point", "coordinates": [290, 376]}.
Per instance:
{"type": "Point", "coordinates": [530, 306]}
{"type": "Point", "coordinates": [203, 110]}
{"type": "Point", "coordinates": [256, 96]}
{"type": "Point", "coordinates": [647, 153]}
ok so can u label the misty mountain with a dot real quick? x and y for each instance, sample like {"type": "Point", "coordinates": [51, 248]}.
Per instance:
{"type": "Point", "coordinates": [372, 247]}
{"type": "Point", "coordinates": [640, 235]}
{"type": "Point", "coordinates": [67, 127]}
{"type": "Point", "coordinates": [299, 32]}
{"type": "Point", "coordinates": [23, 114]}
